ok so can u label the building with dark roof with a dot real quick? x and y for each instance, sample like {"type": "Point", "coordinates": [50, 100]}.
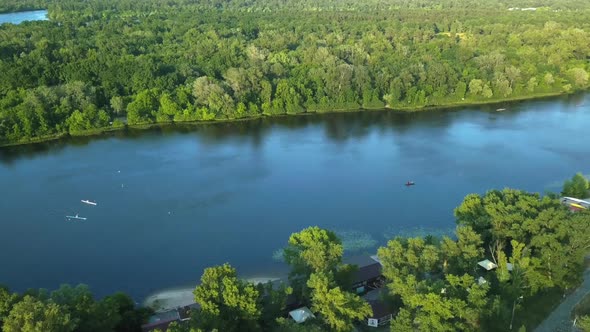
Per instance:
{"type": "Point", "coordinates": [162, 320]}
{"type": "Point", "coordinates": [368, 275]}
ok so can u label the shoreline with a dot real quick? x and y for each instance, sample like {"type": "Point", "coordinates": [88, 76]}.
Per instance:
{"type": "Point", "coordinates": [412, 109]}
{"type": "Point", "coordinates": [173, 298]}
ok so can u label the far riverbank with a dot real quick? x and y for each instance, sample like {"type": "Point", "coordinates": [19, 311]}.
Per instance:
{"type": "Point", "coordinates": [449, 106]}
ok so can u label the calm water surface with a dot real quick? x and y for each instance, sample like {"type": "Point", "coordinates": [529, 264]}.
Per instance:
{"type": "Point", "coordinates": [16, 18]}
{"type": "Point", "coordinates": [173, 201]}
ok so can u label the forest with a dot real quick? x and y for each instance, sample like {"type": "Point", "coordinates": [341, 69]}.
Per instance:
{"type": "Point", "coordinates": [68, 309]}
{"type": "Point", "coordinates": [100, 65]}
{"type": "Point", "coordinates": [431, 283]}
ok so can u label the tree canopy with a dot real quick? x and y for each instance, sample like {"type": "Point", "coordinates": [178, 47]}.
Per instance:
{"type": "Point", "coordinates": [577, 187]}
{"type": "Point", "coordinates": [69, 309]}
{"type": "Point", "coordinates": [96, 64]}
{"type": "Point", "coordinates": [338, 308]}
{"type": "Point", "coordinates": [227, 303]}
{"type": "Point", "coordinates": [536, 243]}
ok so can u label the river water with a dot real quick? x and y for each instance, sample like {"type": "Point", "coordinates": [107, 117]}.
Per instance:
{"type": "Point", "coordinates": [19, 17]}
{"type": "Point", "coordinates": [172, 201]}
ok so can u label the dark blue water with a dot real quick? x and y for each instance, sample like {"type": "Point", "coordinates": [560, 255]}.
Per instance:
{"type": "Point", "coordinates": [16, 18]}
{"type": "Point", "coordinates": [190, 197]}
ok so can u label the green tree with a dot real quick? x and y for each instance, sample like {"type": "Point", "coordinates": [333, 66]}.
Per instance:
{"type": "Point", "coordinates": [227, 303]}
{"type": "Point", "coordinates": [476, 87]}
{"type": "Point", "coordinates": [312, 250]}
{"type": "Point", "coordinates": [7, 301]}
{"type": "Point", "coordinates": [403, 321]}
{"type": "Point", "coordinates": [117, 104]}
{"type": "Point", "coordinates": [119, 308]}
{"type": "Point", "coordinates": [583, 323]}
{"type": "Point", "coordinates": [168, 106]}
{"type": "Point", "coordinates": [579, 77]}
{"type": "Point", "coordinates": [90, 315]}
{"type": "Point", "coordinates": [273, 302]}
{"type": "Point", "coordinates": [577, 187]}
{"type": "Point", "coordinates": [288, 325]}
{"type": "Point", "coordinates": [461, 89]}
{"type": "Point", "coordinates": [412, 256]}
{"type": "Point", "coordinates": [142, 108]}
{"type": "Point", "coordinates": [32, 315]}
{"type": "Point", "coordinates": [339, 309]}
{"type": "Point", "coordinates": [463, 254]}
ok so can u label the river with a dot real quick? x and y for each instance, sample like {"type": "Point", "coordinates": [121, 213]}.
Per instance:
{"type": "Point", "coordinates": [19, 17]}
{"type": "Point", "coordinates": [172, 201]}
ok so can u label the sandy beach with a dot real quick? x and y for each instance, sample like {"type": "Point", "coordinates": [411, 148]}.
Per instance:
{"type": "Point", "coordinates": [169, 299]}
{"type": "Point", "coordinates": [172, 298]}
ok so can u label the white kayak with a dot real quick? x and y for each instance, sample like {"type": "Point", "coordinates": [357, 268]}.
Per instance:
{"type": "Point", "coordinates": [76, 217]}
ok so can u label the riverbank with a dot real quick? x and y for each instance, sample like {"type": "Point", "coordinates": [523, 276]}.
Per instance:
{"type": "Point", "coordinates": [409, 109]}
{"type": "Point", "coordinates": [172, 298]}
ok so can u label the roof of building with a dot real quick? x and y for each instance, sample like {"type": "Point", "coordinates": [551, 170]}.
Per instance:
{"type": "Point", "coordinates": [301, 315]}
{"type": "Point", "coordinates": [368, 268]}
{"type": "Point", "coordinates": [360, 260]}
{"type": "Point", "coordinates": [367, 273]}
{"type": "Point", "coordinates": [487, 264]}
{"type": "Point", "coordinates": [380, 310]}
{"type": "Point", "coordinates": [376, 259]}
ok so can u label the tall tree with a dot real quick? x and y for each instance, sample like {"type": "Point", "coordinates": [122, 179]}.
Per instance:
{"type": "Point", "coordinates": [576, 187]}
{"type": "Point", "coordinates": [312, 250]}
{"type": "Point", "coordinates": [227, 303]}
{"type": "Point", "coordinates": [32, 315]}
{"type": "Point", "coordinates": [339, 309]}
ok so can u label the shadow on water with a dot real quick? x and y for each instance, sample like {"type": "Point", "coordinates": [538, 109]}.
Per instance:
{"type": "Point", "coordinates": [338, 127]}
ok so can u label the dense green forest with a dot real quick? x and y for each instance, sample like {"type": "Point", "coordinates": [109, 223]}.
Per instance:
{"type": "Point", "coordinates": [98, 64]}
{"type": "Point", "coordinates": [431, 283]}
{"type": "Point", "coordinates": [69, 309]}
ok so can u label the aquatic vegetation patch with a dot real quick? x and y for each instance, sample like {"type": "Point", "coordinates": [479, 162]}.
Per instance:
{"type": "Point", "coordinates": [355, 241]}
{"type": "Point", "coordinates": [277, 255]}
{"type": "Point", "coordinates": [419, 231]}
{"type": "Point", "coordinates": [352, 241]}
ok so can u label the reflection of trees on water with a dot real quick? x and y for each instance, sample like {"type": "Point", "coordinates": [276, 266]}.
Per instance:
{"type": "Point", "coordinates": [10, 154]}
